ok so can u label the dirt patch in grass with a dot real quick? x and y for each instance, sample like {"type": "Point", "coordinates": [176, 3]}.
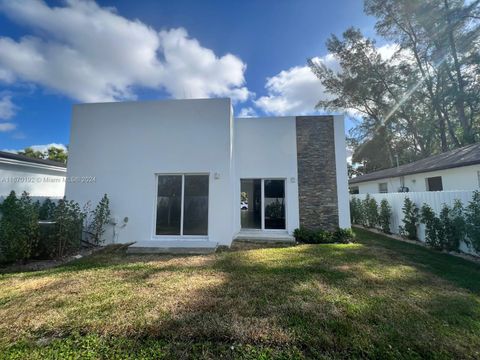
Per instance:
{"type": "Point", "coordinates": [375, 299]}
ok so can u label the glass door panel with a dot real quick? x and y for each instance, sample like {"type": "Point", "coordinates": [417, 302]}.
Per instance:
{"type": "Point", "coordinates": [169, 205]}
{"type": "Point", "coordinates": [251, 203]}
{"type": "Point", "coordinates": [195, 206]}
{"type": "Point", "coordinates": [274, 204]}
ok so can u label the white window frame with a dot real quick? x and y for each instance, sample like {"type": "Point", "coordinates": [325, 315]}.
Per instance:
{"type": "Point", "coordinates": [181, 236]}
{"type": "Point", "coordinates": [262, 220]}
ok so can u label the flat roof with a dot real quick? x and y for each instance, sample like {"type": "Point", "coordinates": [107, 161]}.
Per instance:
{"type": "Point", "coordinates": [18, 157]}
{"type": "Point", "coordinates": [465, 156]}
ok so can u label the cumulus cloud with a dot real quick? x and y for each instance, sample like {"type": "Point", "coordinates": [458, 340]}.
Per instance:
{"type": "Point", "coordinates": [91, 53]}
{"type": "Point", "coordinates": [7, 126]}
{"type": "Point", "coordinates": [247, 112]}
{"type": "Point", "coordinates": [7, 108]}
{"type": "Point", "coordinates": [297, 90]}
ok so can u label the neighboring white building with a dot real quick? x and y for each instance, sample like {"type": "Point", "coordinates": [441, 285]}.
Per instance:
{"type": "Point", "coordinates": [457, 169]}
{"type": "Point", "coordinates": [175, 170]}
{"type": "Point", "coordinates": [40, 178]}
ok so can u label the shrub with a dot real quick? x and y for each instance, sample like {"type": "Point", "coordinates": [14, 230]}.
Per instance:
{"type": "Point", "coordinates": [18, 228]}
{"type": "Point", "coordinates": [343, 236]}
{"type": "Point", "coordinates": [308, 236]}
{"type": "Point", "coordinates": [432, 227]}
{"type": "Point", "coordinates": [410, 219]}
{"type": "Point", "coordinates": [356, 211]}
{"type": "Point", "coordinates": [453, 224]}
{"type": "Point", "coordinates": [472, 218]}
{"type": "Point", "coordinates": [68, 228]}
{"type": "Point", "coordinates": [385, 216]}
{"type": "Point", "coordinates": [99, 217]}
{"type": "Point", "coordinates": [46, 210]}
{"type": "Point", "coordinates": [371, 211]}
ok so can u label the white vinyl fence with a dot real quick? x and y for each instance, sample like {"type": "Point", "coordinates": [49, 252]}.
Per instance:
{"type": "Point", "coordinates": [435, 199]}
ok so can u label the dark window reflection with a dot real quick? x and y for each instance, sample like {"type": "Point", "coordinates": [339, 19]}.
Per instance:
{"type": "Point", "coordinates": [195, 218]}
{"type": "Point", "coordinates": [169, 197]}
{"type": "Point", "coordinates": [274, 204]}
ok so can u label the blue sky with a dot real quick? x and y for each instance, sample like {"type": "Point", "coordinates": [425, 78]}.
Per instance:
{"type": "Point", "coordinates": [57, 53]}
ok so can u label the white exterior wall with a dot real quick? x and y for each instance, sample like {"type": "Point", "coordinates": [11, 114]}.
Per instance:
{"type": "Point", "coordinates": [37, 179]}
{"type": "Point", "coordinates": [461, 178]}
{"type": "Point", "coordinates": [267, 148]}
{"type": "Point", "coordinates": [124, 145]}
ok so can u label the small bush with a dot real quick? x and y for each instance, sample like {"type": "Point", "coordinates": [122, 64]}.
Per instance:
{"type": "Point", "coordinates": [385, 216]}
{"type": "Point", "coordinates": [432, 227]}
{"type": "Point", "coordinates": [18, 228]}
{"type": "Point", "coordinates": [371, 211]}
{"type": "Point", "coordinates": [46, 210]}
{"type": "Point", "coordinates": [356, 211]}
{"type": "Point", "coordinates": [410, 219]}
{"type": "Point", "coordinates": [98, 218]}
{"type": "Point", "coordinates": [343, 236]}
{"type": "Point", "coordinates": [453, 222]}
{"type": "Point", "coordinates": [308, 236]}
{"type": "Point", "coordinates": [472, 217]}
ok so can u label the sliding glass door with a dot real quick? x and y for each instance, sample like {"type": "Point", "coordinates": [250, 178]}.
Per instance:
{"type": "Point", "coordinates": [182, 205]}
{"type": "Point", "coordinates": [262, 204]}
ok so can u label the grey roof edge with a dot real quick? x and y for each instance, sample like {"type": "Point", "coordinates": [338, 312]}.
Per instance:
{"type": "Point", "coordinates": [405, 169]}
{"type": "Point", "coordinates": [23, 158]}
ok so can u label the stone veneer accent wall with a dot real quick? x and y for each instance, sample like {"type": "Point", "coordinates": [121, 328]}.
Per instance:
{"type": "Point", "coordinates": [317, 181]}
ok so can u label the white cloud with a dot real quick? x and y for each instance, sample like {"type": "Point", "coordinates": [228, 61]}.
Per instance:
{"type": "Point", "coordinates": [295, 91]}
{"type": "Point", "coordinates": [7, 108]}
{"type": "Point", "coordinates": [7, 126]}
{"type": "Point", "coordinates": [91, 53]}
{"type": "Point", "coordinates": [247, 112]}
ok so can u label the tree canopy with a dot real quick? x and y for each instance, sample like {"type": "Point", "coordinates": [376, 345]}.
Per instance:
{"type": "Point", "coordinates": [52, 153]}
{"type": "Point", "coordinates": [422, 100]}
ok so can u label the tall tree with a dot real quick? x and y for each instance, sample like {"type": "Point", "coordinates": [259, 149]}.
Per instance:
{"type": "Point", "coordinates": [52, 153]}
{"type": "Point", "coordinates": [424, 99]}
{"type": "Point", "coordinates": [28, 151]}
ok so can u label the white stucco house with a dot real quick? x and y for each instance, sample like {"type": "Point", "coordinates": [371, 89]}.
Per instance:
{"type": "Point", "coordinates": [177, 172]}
{"type": "Point", "coordinates": [458, 169]}
{"type": "Point", "coordinates": [40, 178]}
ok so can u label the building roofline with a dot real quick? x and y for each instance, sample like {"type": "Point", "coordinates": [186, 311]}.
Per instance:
{"type": "Point", "coordinates": [448, 160]}
{"type": "Point", "coordinates": [17, 159]}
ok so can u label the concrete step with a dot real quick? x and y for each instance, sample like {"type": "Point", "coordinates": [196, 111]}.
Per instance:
{"type": "Point", "coordinates": [265, 237]}
{"type": "Point", "coordinates": [246, 240]}
{"type": "Point", "coordinates": [172, 247]}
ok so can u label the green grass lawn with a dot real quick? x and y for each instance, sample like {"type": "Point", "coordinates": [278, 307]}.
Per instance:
{"type": "Point", "coordinates": [378, 298]}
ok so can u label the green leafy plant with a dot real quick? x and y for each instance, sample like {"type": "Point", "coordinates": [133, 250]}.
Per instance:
{"type": "Point", "coordinates": [410, 219]}
{"type": "Point", "coordinates": [384, 216]}
{"type": "Point", "coordinates": [320, 236]}
{"type": "Point", "coordinates": [433, 227]}
{"type": "Point", "coordinates": [453, 224]}
{"type": "Point", "coordinates": [18, 228]}
{"type": "Point", "coordinates": [371, 211]}
{"type": "Point", "coordinates": [46, 210]}
{"type": "Point", "coordinates": [356, 211]}
{"type": "Point", "coordinates": [67, 232]}
{"type": "Point", "coordinates": [343, 236]}
{"type": "Point", "coordinates": [472, 219]}
{"type": "Point", "coordinates": [97, 221]}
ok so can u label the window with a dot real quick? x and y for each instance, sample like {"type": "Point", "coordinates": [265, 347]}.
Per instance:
{"type": "Point", "coordinates": [434, 183]}
{"type": "Point", "coordinates": [478, 176]}
{"type": "Point", "coordinates": [383, 188]}
{"type": "Point", "coordinates": [262, 204]}
{"type": "Point", "coordinates": [354, 190]}
{"type": "Point", "coordinates": [182, 205]}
